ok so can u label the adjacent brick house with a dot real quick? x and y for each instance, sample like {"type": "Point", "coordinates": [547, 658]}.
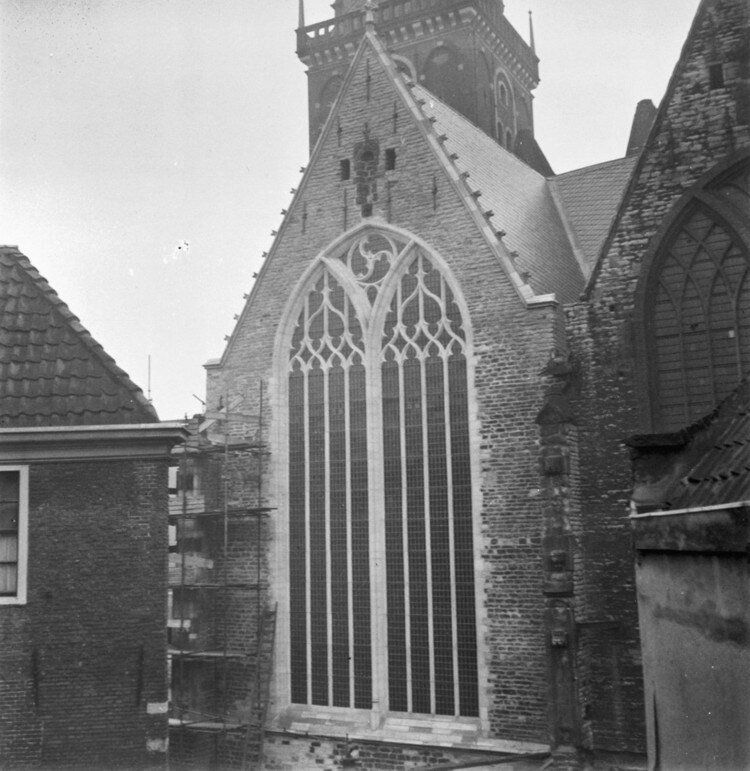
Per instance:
{"type": "Point", "coordinates": [83, 541]}
{"type": "Point", "coordinates": [456, 344]}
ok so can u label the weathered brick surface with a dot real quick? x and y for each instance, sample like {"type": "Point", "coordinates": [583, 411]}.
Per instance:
{"type": "Point", "coordinates": [295, 753]}
{"type": "Point", "coordinates": [80, 662]}
{"type": "Point", "coordinates": [698, 128]}
{"type": "Point", "coordinates": [584, 497]}
{"type": "Point", "coordinates": [511, 345]}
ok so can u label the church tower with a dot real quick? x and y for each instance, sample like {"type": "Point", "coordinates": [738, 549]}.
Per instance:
{"type": "Point", "coordinates": [465, 52]}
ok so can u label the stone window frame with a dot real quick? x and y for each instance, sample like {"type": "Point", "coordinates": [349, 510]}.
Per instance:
{"type": "Point", "coordinates": [20, 596]}
{"type": "Point", "coordinates": [375, 719]}
{"type": "Point", "coordinates": [699, 194]}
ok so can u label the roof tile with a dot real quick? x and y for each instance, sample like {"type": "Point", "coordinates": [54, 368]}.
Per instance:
{"type": "Point", "coordinates": [719, 466]}
{"type": "Point", "coordinates": [52, 372]}
{"type": "Point", "coordinates": [590, 198]}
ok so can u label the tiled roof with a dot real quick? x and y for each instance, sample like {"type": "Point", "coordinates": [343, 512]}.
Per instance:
{"type": "Point", "coordinates": [590, 198]}
{"type": "Point", "coordinates": [718, 457]}
{"type": "Point", "coordinates": [52, 372]}
{"type": "Point", "coordinates": [520, 198]}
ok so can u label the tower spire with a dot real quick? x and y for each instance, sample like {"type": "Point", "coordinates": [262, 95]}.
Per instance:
{"type": "Point", "coordinates": [301, 21]}
{"type": "Point", "coordinates": [531, 33]}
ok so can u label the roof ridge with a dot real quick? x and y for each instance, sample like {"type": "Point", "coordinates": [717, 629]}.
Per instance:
{"type": "Point", "coordinates": [32, 275]}
{"type": "Point", "coordinates": [593, 166]}
{"type": "Point", "coordinates": [648, 145]}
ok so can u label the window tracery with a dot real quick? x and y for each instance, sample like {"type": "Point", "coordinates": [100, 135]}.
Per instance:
{"type": "Point", "coordinates": [398, 467]}
{"type": "Point", "coordinates": [698, 309]}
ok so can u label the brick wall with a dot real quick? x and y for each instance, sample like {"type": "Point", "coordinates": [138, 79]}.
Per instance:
{"type": "Point", "coordinates": [82, 661]}
{"type": "Point", "coordinates": [511, 346]}
{"type": "Point", "coordinates": [589, 496]}
{"type": "Point", "coordinates": [698, 128]}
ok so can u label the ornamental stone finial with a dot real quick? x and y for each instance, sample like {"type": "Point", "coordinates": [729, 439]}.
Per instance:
{"type": "Point", "coordinates": [370, 16]}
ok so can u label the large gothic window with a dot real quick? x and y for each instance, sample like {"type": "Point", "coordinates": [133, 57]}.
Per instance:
{"type": "Point", "coordinates": [379, 462]}
{"type": "Point", "coordinates": [698, 307]}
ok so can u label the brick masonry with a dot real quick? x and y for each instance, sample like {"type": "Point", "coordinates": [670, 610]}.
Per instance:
{"type": "Point", "coordinates": [511, 346]}
{"type": "Point", "coordinates": [83, 663]}
{"type": "Point", "coordinates": [552, 471]}
{"type": "Point", "coordinates": [698, 129]}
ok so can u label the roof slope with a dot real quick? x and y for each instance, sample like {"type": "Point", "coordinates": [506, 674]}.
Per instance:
{"type": "Point", "coordinates": [590, 198]}
{"type": "Point", "coordinates": [719, 457]}
{"type": "Point", "coordinates": [52, 372]}
{"type": "Point", "coordinates": [519, 197]}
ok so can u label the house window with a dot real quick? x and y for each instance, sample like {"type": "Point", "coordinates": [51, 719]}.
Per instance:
{"type": "Point", "coordinates": [379, 461]}
{"type": "Point", "coordinates": [13, 534]}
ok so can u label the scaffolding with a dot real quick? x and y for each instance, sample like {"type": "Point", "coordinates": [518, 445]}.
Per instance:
{"type": "Point", "coordinates": [219, 676]}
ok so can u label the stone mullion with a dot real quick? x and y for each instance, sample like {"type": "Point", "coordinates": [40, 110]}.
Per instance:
{"type": "Point", "coordinates": [349, 565]}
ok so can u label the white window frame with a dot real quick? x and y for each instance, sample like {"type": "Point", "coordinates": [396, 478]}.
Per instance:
{"type": "Point", "coordinates": [23, 536]}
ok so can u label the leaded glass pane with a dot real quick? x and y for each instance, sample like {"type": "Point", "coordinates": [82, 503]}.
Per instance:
{"type": "Point", "coordinates": [328, 504]}
{"type": "Point", "coordinates": [428, 515]}
{"type": "Point", "coordinates": [701, 334]}
{"type": "Point", "coordinates": [424, 513]}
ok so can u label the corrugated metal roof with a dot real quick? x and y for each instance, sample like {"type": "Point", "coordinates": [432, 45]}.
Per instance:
{"type": "Point", "coordinates": [52, 372]}
{"type": "Point", "coordinates": [590, 198]}
{"type": "Point", "coordinates": [520, 198]}
{"type": "Point", "coordinates": [720, 463]}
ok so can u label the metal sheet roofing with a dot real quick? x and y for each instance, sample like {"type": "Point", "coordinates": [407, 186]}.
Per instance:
{"type": "Point", "coordinates": [52, 372]}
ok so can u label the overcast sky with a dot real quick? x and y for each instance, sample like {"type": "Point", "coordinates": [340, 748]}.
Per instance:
{"type": "Point", "coordinates": [148, 146]}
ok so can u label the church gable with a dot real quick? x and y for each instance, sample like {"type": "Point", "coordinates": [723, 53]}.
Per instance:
{"type": "Point", "coordinates": [674, 267]}
{"type": "Point", "coordinates": [389, 313]}
{"type": "Point", "coordinates": [382, 157]}
{"type": "Point", "coordinates": [702, 120]}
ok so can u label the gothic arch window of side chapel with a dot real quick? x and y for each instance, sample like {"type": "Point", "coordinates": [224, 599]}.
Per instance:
{"type": "Point", "coordinates": [379, 462]}
{"type": "Point", "coordinates": [696, 304]}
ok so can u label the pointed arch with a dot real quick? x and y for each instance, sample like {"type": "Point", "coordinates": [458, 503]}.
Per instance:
{"type": "Point", "coordinates": [380, 605]}
{"type": "Point", "coordinates": [428, 512]}
{"type": "Point", "coordinates": [693, 301]}
{"type": "Point", "coordinates": [328, 508]}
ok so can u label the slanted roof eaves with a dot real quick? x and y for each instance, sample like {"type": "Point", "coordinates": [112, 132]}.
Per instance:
{"type": "Point", "coordinates": [590, 198]}
{"type": "Point", "coordinates": [719, 457]}
{"type": "Point", "coordinates": [52, 372]}
{"type": "Point", "coordinates": [520, 198]}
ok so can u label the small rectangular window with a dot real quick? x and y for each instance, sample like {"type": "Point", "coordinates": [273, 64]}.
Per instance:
{"type": "Point", "coordinates": [390, 159]}
{"type": "Point", "coordinates": [13, 534]}
{"type": "Point", "coordinates": [345, 170]}
{"type": "Point", "coordinates": [716, 75]}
